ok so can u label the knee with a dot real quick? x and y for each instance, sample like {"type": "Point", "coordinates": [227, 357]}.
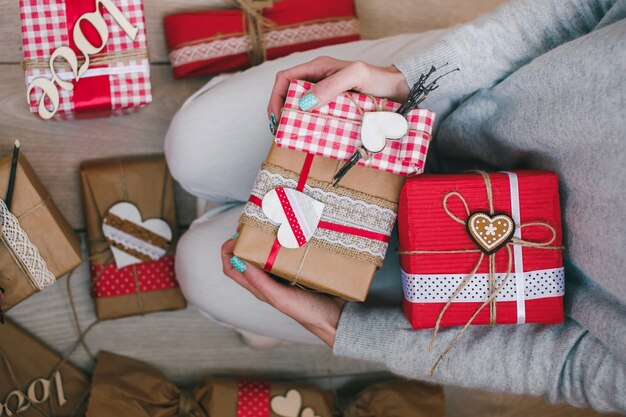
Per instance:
{"type": "Point", "coordinates": [180, 144]}
{"type": "Point", "coordinates": [198, 268]}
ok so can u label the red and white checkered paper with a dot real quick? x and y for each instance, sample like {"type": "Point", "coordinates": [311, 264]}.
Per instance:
{"type": "Point", "coordinates": [45, 28]}
{"type": "Point", "coordinates": [333, 131]}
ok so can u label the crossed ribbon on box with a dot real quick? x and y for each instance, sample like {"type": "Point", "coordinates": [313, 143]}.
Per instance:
{"type": "Point", "coordinates": [486, 246]}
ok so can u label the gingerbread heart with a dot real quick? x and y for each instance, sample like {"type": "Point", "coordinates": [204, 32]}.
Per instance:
{"type": "Point", "coordinates": [132, 240]}
{"type": "Point", "coordinates": [490, 233]}
{"type": "Point", "coordinates": [378, 126]}
{"type": "Point", "coordinates": [287, 405]}
{"type": "Point", "coordinates": [308, 412]}
{"type": "Point", "coordinates": [297, 214]}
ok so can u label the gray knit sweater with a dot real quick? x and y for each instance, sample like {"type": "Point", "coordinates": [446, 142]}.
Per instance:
{"type": "Point", "coordinates": [542, 85]}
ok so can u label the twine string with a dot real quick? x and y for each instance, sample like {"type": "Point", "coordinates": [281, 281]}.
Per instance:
{"type": "Point", "coordinates": [255, 24]}
{"type": "Point", "coordinates": [103, 58]}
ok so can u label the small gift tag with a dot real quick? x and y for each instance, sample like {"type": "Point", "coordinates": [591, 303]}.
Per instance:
{"type": "Point", "coordinates": [379, 126]}
{"type": "Point", "coordinates": [490, 233]}
{"type": "Point", "coordinates": [297, 214]}
{"type": "Point", "coordinates": [132, 240]}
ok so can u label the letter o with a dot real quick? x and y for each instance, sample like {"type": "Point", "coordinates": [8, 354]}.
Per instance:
{"type": "Point", "coordinates": [45, 390]}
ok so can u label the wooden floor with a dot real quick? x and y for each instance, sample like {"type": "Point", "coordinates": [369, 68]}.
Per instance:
{"type": "Point", "coordinates": [55, 149]}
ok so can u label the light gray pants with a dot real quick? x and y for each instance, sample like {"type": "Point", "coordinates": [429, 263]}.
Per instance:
{"type": "Point", "coordinates": [214, 148]}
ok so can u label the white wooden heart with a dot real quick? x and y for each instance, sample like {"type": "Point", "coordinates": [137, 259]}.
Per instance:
{"type": "Point", "coordinates": [378, 126]}
{"type": "Point", "coordinates": [132, 240]}
{"type": "Point", "coordinates": [490, 233]}
{"type": "Point", "coordinates": [308, 412]}
{"type": "Point", "coordinates": [288, 405]}
{"type": "Point", "coordinates": [297, 214]}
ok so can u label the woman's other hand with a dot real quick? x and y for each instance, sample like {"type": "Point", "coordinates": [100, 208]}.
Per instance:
{"type": "Point", "coordinates": [318, 313]}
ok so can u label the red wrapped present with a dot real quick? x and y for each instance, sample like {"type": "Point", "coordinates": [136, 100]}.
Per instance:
{"type": "Point", "coordinates": [85, 57]}
{"type": "Point", "coordinates": [215, 41]}
{"type": "Point", "coordinates": [329, 231]}
{"type": "Point", "coordinates": [481, 249]}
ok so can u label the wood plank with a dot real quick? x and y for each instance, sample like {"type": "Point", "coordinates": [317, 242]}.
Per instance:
{"type": "Point", "coordinates": [56, 149]}
{"type": "Point", "coordinates": [380, 18]}
{"type": "Point", "coordinates": [465, 402]}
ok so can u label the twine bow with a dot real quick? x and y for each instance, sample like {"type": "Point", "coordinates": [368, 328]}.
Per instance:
{"type": "Point", "coordinates": [493, 288]}
{"type": "Point", "coordinates": [256, 24]}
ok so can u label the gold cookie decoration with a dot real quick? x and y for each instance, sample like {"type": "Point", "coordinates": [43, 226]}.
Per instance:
{"type": "Point", "coordinates": [490, 233]}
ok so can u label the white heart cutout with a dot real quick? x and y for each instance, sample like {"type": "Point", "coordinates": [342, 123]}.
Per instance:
{"type": "Point", "coordinates": [308, 412]}
{"type": "Point", "coordinates": [132, 240]}
{"type": "Point", "coordinates": [287, 405]}
{"type": "Point", "coordinates": [378, 126]}
{"type": "Point", "coordinates": [296, 213]}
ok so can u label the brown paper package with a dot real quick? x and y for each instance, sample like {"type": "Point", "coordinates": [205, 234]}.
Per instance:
{"type": "Point", "coordinates": [324, 271]}
{"type": "Point", "coordinates": [399, 398]}
{"type": "Point", "coordinates": [146, 182]}
{"type": "Point", "coordinates": [126, 387]}
{"type": "Point", "coordinates": [29, 382]}
{"type": "Point", "coordinates": [45, 226]}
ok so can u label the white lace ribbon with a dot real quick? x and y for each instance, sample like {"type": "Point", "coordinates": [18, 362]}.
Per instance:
{"type": "Point", "coordinates": [23, 249]}
{"type": "Point", "coordinates": [339, 209]}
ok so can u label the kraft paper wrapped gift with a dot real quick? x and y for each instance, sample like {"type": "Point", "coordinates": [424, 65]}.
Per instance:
{"type": "Point", "coordinates": [35, 381]}
{"type": "Point", "coordinates": [38, 246]}
{"type": "Point", "coordinates": [398, 398]}
{"type": "Point", "coordinates": [462, 263]}
{"type": "Point", "coordinates": [341, 254]}
{"type": "Point", "coordinates": [126, 387]}
{"type": "Point", "coordinates": [132, 263]}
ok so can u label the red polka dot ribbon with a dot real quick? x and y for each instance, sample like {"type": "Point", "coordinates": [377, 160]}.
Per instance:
{"type": "Point", "coordinates": [152, 276]}
{"type": "Point", "coordinates": [253, 399]}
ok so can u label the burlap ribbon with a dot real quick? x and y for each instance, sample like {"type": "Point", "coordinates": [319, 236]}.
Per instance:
{"type": "Point", "coordinates": [493, 288]}
{"type": "Point", "coordinates": [255, 24]}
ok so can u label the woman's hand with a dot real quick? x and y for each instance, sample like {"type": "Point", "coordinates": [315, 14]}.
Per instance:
{"type": "Point", "coordinates": [333, 77]}
{"type": "Point", "coordinates": [318, 313]}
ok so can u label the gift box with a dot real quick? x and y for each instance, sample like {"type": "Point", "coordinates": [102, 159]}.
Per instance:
{"type": "Point", "coordinates": [398, 398]}
{"type": "Point", "coordinates": [87, 58]}
{"type": "Point", "coordinates": [35, 380]}
{"type": "Point", "coordinates": [37, 244]}
{"type": "Point", "coordinates": [215, 41]}
{"type": "Point", "coordinates": [481, 249]}
{"type": "Point", "coordinates": [126, 387]}
{"type": "Point", "coordinates": [329, 232]}
{"type": "Point", "coordinates": [131, 231]}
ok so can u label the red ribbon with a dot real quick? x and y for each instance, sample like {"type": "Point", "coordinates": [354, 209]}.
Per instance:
{"type": "Point", "coordinates": [335, 227]}
{"type": "Point", "coordinates": [92, 93]}
{"type": "Point", "coordinates": [253, 399]}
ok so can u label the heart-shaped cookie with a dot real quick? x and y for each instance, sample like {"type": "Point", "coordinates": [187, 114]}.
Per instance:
{"type": "Point", "coordinates": [297, 214]}
{"type": "Point", "coordinates": [490, 233]}
{"type": "Point", "coordinates": [287, 405]}
{"type": "Point", "coordinates": [378, 126]}
{"type": "Point", "coordinates": [132, 240]}
{"type": "Point", "coordinates": [308, 412]}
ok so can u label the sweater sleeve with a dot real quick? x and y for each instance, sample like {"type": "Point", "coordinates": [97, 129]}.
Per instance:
{"type": "Point", "coordinates": [495, 45]}
{"type": "Point", "coordinates": [564, 362]}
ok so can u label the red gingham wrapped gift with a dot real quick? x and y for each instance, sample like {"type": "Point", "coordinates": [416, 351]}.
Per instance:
{"type": "Point", "coordinates": [215, 41]}
{"type": "Point", "coordinates": [333, 131]}
{"type": "Point", "coordinates": [116, 79]}
{"type": "Point", "coordinates": [438, 256]}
